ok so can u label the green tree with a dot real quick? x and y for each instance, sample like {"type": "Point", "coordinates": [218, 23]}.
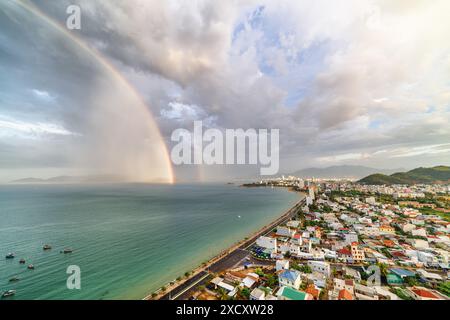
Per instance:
{"type": "Point", "coordinates": [411, 281]}
{"type": "Point", "coordinates": [383, 269]}
{"type": "Point", "coordinates": [222, 294]}
{"type": "Point", "coordinates": [272, 280]}
{"type": "Point", "coordinates": [305, 269]}
{"type": "Point", "coordinates": [259, 272]}
{"type": "Point", "coordinates": [245, 292]}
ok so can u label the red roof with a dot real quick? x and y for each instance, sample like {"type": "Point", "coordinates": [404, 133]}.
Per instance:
{"type": "Point", "coordinates": [345, 295]}
{"type": "Point", "coordinates": [313, 291]}
{"type": "Point", "coordinates": [425, 293]}
{"type": "Point", "coordinates": [349, 282]}
{"type": "Point", "coordinates": [398, 254]}
{"type": "Point", "coordinates": [345, 251]}
{"type": "Point", "coordinates": [388, 243]}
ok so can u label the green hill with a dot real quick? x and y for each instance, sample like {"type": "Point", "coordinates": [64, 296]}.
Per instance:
{"type": "Point", "coordinates": [439, 174]}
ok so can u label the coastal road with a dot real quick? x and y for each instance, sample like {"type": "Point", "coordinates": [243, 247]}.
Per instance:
{"type": "Point", "coordinates": [183, 291]}
{"type": "Point", "coordinates": [229, 260]}
{"type": "Point", "coordinates": [186, 286]}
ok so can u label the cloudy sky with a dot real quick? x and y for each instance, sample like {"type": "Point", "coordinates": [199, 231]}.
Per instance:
{"type": "Point", "coordinates": [347, 82]}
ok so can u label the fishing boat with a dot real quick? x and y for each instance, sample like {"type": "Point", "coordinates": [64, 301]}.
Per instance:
{"type": "Point", "coordinates": [67, 250]}
{"type": "Point", "coordinates": [10, 256]}
{"type": "Point", "coordinates": [22, 261]}
{"type": "Point", "coordinates": [47, 247]}
{"type": "Point", "coordinates": [8, 293]}
{"type": "Point", "coordinates": [30, 267]}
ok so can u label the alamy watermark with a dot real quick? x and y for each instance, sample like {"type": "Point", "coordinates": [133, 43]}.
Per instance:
{"type": "Point", "coordinates": [234, 146]}
{"type": "Point", "coordinates": [74, 279]}
{"type": "Point", "coordinates": [374, 280]}
{"type": "Point", "coordinates": [73, 21]}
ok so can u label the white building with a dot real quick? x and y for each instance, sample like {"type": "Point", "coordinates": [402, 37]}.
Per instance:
{"type": "Point", "coordinates": [290, 278]}
{"type": "Point", "coordinates": [311, 193]}
{"type": "Point", "coordinates": [320, 266]}
{"type": "Point", "coordinates": [419, 232]}
{"type": "Point", "coordinates": [371, 200]}
{"type": "Point", "coordinates": [370, 231]}
{"type": "Point", "coordinates": [267, 242]}
{"type": "Point", "coordinates": [282, 265]}
{"type": "Point", "coordinates": [340, 284]}
{"type": "Point", "coordinates": [408, 227]}
{"type": "Point", "coordinates": [419, 243]}
{"type": "Point", "coordinates": [426, 257]}
{"type": "Point", "coordinates": [301, 183]}
{"type": "Point", "coordinates": [285, 231]}
{"type": "Point", "coordinates": [257, 294]}
{"type": "Point", "coordinates": [293, 223]}
{"type": "Point", "coordinates": [350, 237]}
{"type": "Point", "coordinates": [365, 293]}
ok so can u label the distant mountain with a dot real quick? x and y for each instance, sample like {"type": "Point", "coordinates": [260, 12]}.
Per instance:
{"type": "Point", "coordinates": [29, 180]}
{"type": "Point", "coordinates": [341, 172]}
{"type": "Point", "coordinates": [72, 179]}
{"type": "Point", "coordinates": [439, 174]}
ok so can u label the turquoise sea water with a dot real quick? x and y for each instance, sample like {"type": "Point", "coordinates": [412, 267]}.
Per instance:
{"type": "Point", "coordinates": [128, 240]}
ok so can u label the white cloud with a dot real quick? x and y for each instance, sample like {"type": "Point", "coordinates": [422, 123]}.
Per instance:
{"type": "Point", "coordinates": [342, 157]}
{"type": "Point", "coordinates": [10, 127]}
{"type": "Point", "coordinates": [422, 150]}
{"type": "Point", "coordinates": [44, 95]}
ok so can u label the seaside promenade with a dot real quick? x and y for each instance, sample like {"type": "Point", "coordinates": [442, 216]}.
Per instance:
{"type": "Point", "coordinates": [223, 261]}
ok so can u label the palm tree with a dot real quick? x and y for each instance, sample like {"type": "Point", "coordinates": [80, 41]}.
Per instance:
{"type": "Point", "coordinates": [222, 294]}
{"type": "Point", "coordinates": [383, 269]}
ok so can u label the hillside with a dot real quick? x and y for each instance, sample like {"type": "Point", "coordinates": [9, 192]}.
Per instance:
{"type": "Point", "coordinates": [340, 172]}
{"type": "Point", "coordinates": [439, 174]}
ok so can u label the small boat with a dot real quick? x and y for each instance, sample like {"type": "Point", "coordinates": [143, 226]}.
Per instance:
{"type": "Point", "coordinates": [22, 261]}
{"type": "Point", "coordinates": [8, 293]}
{"type": "Point", "coordinates": [14, 279]}
{"type": "Point", "coordinates": [30, 267]}
{"type": "Point", "coordinates": [47, 247]}
{"type": "Point", "coordinates": [10, 256]}
{"type": "Point", "coordinates": [67, 250]}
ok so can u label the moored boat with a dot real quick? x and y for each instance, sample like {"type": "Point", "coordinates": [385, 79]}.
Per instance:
{"type": "Point", "coordinates": [8, 293]}
{"type": "Point", "coordinates": [47, 247]}
{"type": "Point", "coordinates": [30, 267]}
{"type": "Point", "coordinates": [10, 255]}
{"type": "Point", "coordinates": [14, 279]}
{"type": "Point", "coordinates": [67, 250]}
{"type": "Point", "coordinates": [22, 261]}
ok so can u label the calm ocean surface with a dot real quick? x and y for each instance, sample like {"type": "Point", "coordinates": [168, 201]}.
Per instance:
{"type": "Point", "coordinates": [129, 239]}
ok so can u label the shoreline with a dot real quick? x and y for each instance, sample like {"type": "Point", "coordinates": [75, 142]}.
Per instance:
{"type": "Point", "coordinates": [228, 251]}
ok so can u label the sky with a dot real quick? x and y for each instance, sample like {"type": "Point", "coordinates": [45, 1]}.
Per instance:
{"type": "Point", "coordinates": [361, 82]}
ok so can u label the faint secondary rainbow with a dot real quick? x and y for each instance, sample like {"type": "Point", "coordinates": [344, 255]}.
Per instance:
{"type": "Point", "coordinates": [111, 69]}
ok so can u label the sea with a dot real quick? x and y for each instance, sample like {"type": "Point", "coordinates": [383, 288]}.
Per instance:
{"type": "Point", "coordinates": [127, 239]}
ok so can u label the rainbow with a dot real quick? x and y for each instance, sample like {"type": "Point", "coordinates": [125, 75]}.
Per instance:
{"type": "Point", "coordinates": [169, 174]}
